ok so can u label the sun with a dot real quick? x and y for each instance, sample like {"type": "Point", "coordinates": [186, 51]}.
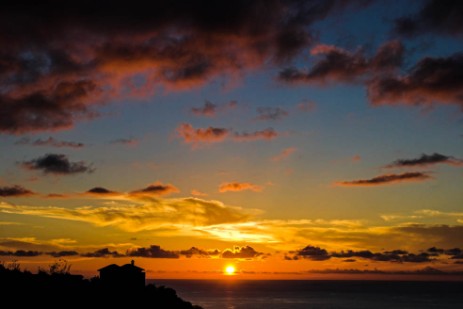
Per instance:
{"type": "Point", "coordinates": [230, 270]}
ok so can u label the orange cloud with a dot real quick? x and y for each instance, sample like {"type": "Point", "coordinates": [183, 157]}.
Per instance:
{"type": "Point", "coordinates": [207, 135]}
{"type": "Point", "coordinates": [197, 193]}
{"type": "Point", "coordinates": [239, 186]}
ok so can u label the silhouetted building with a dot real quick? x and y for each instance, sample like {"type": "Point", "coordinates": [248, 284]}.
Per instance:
{"type": "Point", "coordinates": [127, 276]}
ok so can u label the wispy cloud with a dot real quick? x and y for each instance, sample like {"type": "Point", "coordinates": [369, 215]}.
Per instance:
{"type": "Point", "coordinates": [306, 106]}
{"type": "Point", "coordinates": [267, 134]}
{"type": "Point", "coordinates": [57, 164]}
{"type": "Point", "coordinates": [239, 186]}
{"type": "Point", "coordinates": [285, 153]}
{"type": "Point", "coordinates": [209, 109]}
{"type": "Point", "coordinates": [50, 141]}
{"type": "Point", "coordinates": [271, 113]}
{"type": "Point", "coordinates": [125, 141]}
{"type": "Point", "coordinates": [386, 179]}
{"type": "Point", "coordinates": [147, 213]}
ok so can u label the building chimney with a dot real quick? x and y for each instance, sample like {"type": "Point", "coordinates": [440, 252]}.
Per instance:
{"type": "Point", "coordinates": [132, 262]}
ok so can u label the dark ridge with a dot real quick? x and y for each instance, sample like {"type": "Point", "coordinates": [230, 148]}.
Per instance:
{"type": "Point", "coordinates": [57, 288]}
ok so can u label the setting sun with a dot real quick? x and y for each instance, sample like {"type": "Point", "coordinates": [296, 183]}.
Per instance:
{"type": "Point", "coordinates": [230, 270]}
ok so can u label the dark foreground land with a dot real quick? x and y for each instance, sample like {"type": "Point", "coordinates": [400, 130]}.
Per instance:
{"type": "Point", "coordinates": [61, 289]}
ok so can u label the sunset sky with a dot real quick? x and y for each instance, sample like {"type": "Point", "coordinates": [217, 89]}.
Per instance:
{"type": "Point", "coordinates": [291, 139]}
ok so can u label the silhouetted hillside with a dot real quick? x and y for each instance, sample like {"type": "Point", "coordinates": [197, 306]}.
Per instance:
{"type": "Point", "coordinates": [57, 288]}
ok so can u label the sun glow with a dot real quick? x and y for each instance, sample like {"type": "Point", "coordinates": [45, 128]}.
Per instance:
{"type": "Point", "coordinates": [230, 270]}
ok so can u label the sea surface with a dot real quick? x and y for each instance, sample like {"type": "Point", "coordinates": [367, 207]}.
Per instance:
{"type": "Point", "coordinates": [279, 294]}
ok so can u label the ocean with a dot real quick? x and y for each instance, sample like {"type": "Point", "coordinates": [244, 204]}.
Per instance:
{"type": "Point", "coordinates": [298, 294]}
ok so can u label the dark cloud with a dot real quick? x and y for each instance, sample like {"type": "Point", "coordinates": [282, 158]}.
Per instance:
{"type": "Point", "coordinates": [398, 256]}
{"type": "Point", "coordinates": [431, 80]}
{"type": "Point", "coordinates": [436, 16]}
{"type": "Point", "coordinates": [209, 109]}
{"type": "Point", "coordinates": [20, 253]}
{"type": "Point", "coordinates": [156, 189]}
{"type": "Point", "coordinates": [193, 251]}
{"type": "Point", "coordinates": [50, 141]}
{"type": "Point", "coordinates": [386, 179]}
{"type": "Point", "coordinates": [271, 113]}
{"type": "Point", "coordinates": [59, 59]}
{"type": "Point", "coordinates": [58, 164]}
{"type": "Point", "coordinates": [105, 252]}
{"type": "Point", "coordinates": [246, 252]}
{"type": "Point", "coordinates": [455, 253]}
{"type": "Point", "coordinates": [435, 251]}
{"type": "Point", "coordinates": [53, 108]}
{"type": "Point", "coordinates": [14, 191]}
{"type": "Point", "coordinates": [153, 252]}
{"type": "Point", "coordinates": [313, 253]}
{"type": "Point", "coordinates": [338, 64]}
{"type": "Point", "coordinates": [426, 160]}
{"type": "Point", "coordinates": [100, 190]}
{"type": "Point", "coordinates": [63, 253]}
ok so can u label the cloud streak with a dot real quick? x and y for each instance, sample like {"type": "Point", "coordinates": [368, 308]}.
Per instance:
{"type": "Point", "coordinates": [51, 142]}
{"type": "Point", "coordinates": [386, 179]}
{"type": "Point", "coordinates": [426, 160]}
